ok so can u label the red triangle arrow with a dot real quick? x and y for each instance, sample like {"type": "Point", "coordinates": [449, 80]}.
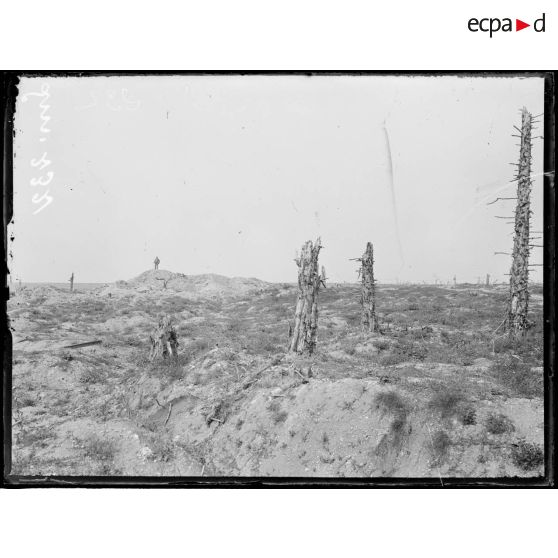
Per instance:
{"type": "Point", "coordinates": [519, 25]}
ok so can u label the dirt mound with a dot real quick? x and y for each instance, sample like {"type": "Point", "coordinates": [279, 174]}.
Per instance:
{"type": "Point", "coordinates": [345, 428]}
{"type": "Point", "coordinates": [37, 291]}
{"type": "Point", "coordinates": [202, 285]}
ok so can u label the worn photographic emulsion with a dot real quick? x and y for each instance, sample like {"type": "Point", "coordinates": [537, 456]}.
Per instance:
{"type": "Point", "coordinates": [277, 278]}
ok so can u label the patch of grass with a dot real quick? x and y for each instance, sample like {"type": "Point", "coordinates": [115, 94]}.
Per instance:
{"type": "Point", "coordinates": [171, 368]}
{"type": "Point", "coordinates": [422, 334]}
{"type": "Point", "coordinates": [199, 379]}
{"type": "Point", "coordinates": [381, 344]}
{"type": "Point", "coordinates": [229, 355]}
{"type": "Point", "coordinates": [527, 456]}
{"type": "Point", "coordinates": [460, 348]}
{"type": "Point", "coordinates": [27, 401]}
{"type": "Point", "coordinates": [274, 406]}
{"type": "Point", "coordinates": [22, 463]}
{"type": "Point", "coordinates": [446, 402]}
{"type": "Point", "coordinates": [277, 415]}
{"type": "Point", "coordinates": [347, 405]}
{"type": "Point", "coordinates": [441, 443]}
{"type": "Point", "coordinates": [162, 449]}
{"type": "Point", "coordinates": [200, 452]}
{"type": "Point", "coordinates": [529, 347]}
{"type": "Point", "coordinates": [92, 376]}
{"type": "Point", "coordinates": [258, 343]}
{"type": "Point", "coordinates": [518, 377]}
{"type": "Point", "coordinates": [468, 415]}
{"type": "Point", "coordinates": [149, 424]}
{"type": "Point", "coordinates": [391, 401]}
{"type": "Point", "coordinates": [392, 359]}
{"type": "Point", "coordinates": [200, 345]}
{"type": "Point", "coordinates": [280, 417]}
{"type": "Point", "coordinates": [98, 448]}
{"type": "Point", "coordinates": [498, 424]}
{"type": "Point", "coordinates": [409, 350]}
{"type": "Point", "coordinates": [33, 436]}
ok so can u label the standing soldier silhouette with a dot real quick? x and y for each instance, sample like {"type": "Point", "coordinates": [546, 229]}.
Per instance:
{"type": "Point", "coordinates": [156, 261]}
{"type": "Point", "coordinates": [71, 279]}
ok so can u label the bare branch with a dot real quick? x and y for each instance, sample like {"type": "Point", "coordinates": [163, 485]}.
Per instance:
{"type": "Point", "coordinates": [497, 199]}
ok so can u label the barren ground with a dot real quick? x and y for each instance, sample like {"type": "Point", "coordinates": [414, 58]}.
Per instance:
{"type": "Point", "coordinates": [437, 394]}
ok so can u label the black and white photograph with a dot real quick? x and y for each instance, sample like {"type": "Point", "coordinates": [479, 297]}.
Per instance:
{"type": "Point", "coordinates": [310, 276]}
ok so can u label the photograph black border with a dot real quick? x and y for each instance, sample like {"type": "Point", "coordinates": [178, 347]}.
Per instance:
{"type": "Point", "coordinates": [8, 93]}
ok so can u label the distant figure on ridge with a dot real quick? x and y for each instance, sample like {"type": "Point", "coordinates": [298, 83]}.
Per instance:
{"type": "Point", "coordinates": [156, 261]}
{"type": "Point", "coordinates": [71, 279]}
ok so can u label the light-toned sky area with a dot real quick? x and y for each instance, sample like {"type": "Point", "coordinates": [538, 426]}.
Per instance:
{"type": "Point", "coordinates": [231, 174]}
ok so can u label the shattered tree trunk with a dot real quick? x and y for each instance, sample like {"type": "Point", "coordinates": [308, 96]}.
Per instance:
{"type": "Point", "coordinates": [518, 306]}
{"type": "Point", "coordinates": [488, 279]}
{"type": "Point", "coordinates": [305, 328]}
{"type": "Point", "coordinates": [164, 340]}
{"type": "Point", "coordinates": [369, 319]}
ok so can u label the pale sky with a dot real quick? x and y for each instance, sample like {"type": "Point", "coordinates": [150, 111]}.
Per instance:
{"type": "Point", "coordinates": [231, 174]}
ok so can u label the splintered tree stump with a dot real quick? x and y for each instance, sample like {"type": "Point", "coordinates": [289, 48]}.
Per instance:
{"type": "Point", "coordinates": [518, 306]}
{"type": "Point", "coordinates": [369, 320]}
{"type": "Point", "coordinates": [304, 330]}
{"type": "Point", "coordinates": [164, 340]}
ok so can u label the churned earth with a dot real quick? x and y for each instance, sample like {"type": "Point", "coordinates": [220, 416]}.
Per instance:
{"type": "Point", "coordinates": [439, 392]}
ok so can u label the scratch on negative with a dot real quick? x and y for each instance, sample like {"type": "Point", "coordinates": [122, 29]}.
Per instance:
{"type": "Point", "coordinates": [432, 446]}
{"type": "Point", "coordinates": [392, 189]}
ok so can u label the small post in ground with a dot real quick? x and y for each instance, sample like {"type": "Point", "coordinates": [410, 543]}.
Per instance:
{"type": "Point", "coordinates": [71, 279]}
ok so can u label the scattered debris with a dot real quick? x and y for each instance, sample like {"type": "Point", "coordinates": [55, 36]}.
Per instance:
{"type": "Point", "coordinates": [86, 344]}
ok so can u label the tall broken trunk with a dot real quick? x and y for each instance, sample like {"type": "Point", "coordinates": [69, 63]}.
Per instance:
{"type": "Point", "coordinates": [518, 306]}
{"type": "Point", "coordinates": [369, 320]}
{"type": "Point", "coordinates": [164, 340]}
{"type": "Point", "coordinates": [305, 328]}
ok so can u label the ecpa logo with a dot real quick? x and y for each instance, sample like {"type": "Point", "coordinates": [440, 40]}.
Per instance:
{"type": "Point", "coordinates": [494, 24]}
